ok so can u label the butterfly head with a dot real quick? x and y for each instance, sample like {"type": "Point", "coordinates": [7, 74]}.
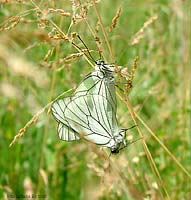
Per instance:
{"type": "Point", "coordinates": [100, 62]}
{"type": "Point", "coordinates": [119, 142]}
{"type": "Point", "coordinates": [102, 66]}
{"type": "Point", "coordinates": [115, 151]}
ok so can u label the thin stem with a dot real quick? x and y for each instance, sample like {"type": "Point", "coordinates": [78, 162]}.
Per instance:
{"type": "Point", "coordinates": [163, 146]}
{"type": "Point", "coordinates": [104, 33]}
{"type": "Point", "coordinates": [148, 154]}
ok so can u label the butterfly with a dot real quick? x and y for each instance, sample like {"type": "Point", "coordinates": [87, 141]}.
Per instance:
{"type": "Point", "coordinates": [91, 112]}
{"type": "Point", "coordinates": [101, 82]}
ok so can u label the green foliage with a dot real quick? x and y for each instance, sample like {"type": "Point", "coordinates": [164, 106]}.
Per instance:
{"type": "Point", "coordinates": [37, 65]}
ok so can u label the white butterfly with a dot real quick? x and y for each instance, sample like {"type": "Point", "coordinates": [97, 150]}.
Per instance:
{"type": "Point", "coordinates": [101, 82]}
{"type": "Point", "coordinates": [91, 112]}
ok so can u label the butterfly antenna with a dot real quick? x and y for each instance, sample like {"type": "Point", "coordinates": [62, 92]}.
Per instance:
{"type": "Point", "coordinates": [134, 141]}
{"type": "Point", "coordinates": [82, 51]}
{"type": "Point", "coordinates": [131, 143]}
{"type": "Point", "coordinates": [125, 129]}
{"type": "Point", "coordinates": [86, 48]}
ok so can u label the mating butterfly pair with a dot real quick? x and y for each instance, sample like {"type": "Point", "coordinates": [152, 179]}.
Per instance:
{"type": "Point", "coordinates": [90, 113]}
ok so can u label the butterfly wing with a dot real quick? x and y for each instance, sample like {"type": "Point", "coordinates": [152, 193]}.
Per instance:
{"type": "Point", "coordinates": [95, 83]}
{"type": "Point", "coordinates": [92, 116]}
{"type": "Point", "coordinates": [65, 132]}
{"type": "Point", "coordinates": [98, 83]}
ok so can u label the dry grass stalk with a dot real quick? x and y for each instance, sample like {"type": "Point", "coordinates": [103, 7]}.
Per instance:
{"type": "Point", "coordinates": [83, 12]}
{"type": "Point", "coordinates": [99, 44]}
{"type": "Point", "coordinates": [49, 53]}
{"type": "Point", "coordinates": [140, 34]}
{"type": "Point", "coordinates": [54, 34]}
{"type": "Point", "coordinates": [23, 130]}
{"type": "Point", "coordinates": [71, 57]}
{"type": "Point", "coordinates": [115, 19]}
{"type": "Point", "coordinates": [83, 7]}
{"type": "Point", "coordinates": [134, 67]}
{"type": "Point", "coordinates": [129, 76]}
{"type": "Point", "coordinates": [95, 1]}
{"type": "Point", "coordinates": [97, 38]}
{"type": "Point", "coordinates": [27, 21]}
{"type": "Point", "coordinates": [42, 15]}
{"type": "Point", "coordinates": [10, 23]}
{"type": "Point", "coordinates": [80, 15]}
{"type": "Point", "coordinates": [73, 35]}
{"type": "Point", "coordinates": [75, 5]}
{"type": "Point", "coordinates": [146, 149]}
{"type": "Point", "coordinates": [163, 146]}
{"type": "Point", "coordinates": [34, 119]}
{"type": "Point", "coordinates": [97, 27]}
{"type": "Point", "coordinates": [77, 18]}
{"type": "Point", "coordinates": [59, 11]}
{"type": "Point", "coordinates": [46, 64]}
{"type": "Point", "coordinates": [104, 31]}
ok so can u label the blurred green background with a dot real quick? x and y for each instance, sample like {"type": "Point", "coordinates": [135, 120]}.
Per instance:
{"type": "Point", "coordinates": [33, 72]}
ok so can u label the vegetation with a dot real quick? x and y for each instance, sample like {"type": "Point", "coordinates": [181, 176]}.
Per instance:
{"type": "Point", "coordinates": [38, 63]}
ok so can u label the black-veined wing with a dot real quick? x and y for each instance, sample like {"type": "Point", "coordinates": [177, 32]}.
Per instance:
{"type": "Point", "coordinates": [91, 111]}
{"type": "Point", "coordinates": [92, 116]}
{"type": "Point", "coordinates": [65, 132]}
{"type": "Point", "coordinates": [100, 82]}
